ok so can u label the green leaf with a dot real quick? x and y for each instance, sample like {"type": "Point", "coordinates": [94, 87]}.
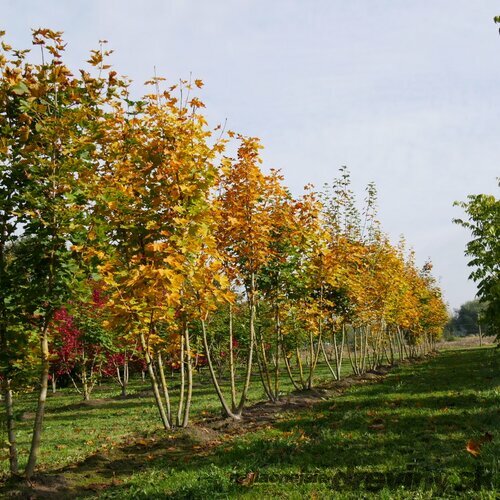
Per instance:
{"type": "Point", "coordinates": [20, 89]}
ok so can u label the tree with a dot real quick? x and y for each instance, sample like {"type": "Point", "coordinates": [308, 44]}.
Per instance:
{"type": "Point", "coordinates": [47, 143]}
{"type": "Point", "coordinates": [483, 221]}
{"type": "Point", "coordinates": [467, 317]}
{"type": "Point", "coordinates": [150, 224]}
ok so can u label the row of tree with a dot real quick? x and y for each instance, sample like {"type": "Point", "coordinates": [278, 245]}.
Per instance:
{"type": "Point", "coordinates": [128, 232]}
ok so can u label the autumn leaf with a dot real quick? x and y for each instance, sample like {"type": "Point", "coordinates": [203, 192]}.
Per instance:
{"type": "Point", "coordinates": [248, 479]}
{"type": "Point", "coordinates": [473, 447]}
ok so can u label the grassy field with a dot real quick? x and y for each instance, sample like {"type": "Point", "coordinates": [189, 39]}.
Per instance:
{"type": "Point", "coordinates": [402, 435]}
{"type": "Point", "coordinates": [75, 429]}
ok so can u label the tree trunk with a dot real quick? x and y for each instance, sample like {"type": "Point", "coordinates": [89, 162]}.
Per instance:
{"type": "Point", "coordinates": [277, 354]}
{"type": "Point", "coordinates": [85, 384]}
{"type": "Point", "coordinates": [330, 367]}
{"type": "Point", "coordinates": [339, 352]}
{"type": "Point", "coordinates": [183, 381]}
{"type": "Point", "coordinates": [40, 411]}
{"type": "Point", "coordinates": [231, 360]}
{"type": "Point", "coordinates": [289, 371]}
{"type": "Point", "coordinates": [185, 420]}
{"type": "Point", "coordinates": [164, 387]}
{"type": "Point", "coordinates": [301, 369]}
{"type": "Point", "coordinates": [10, 423]}
{"type": "Point", "coordinates": [263, 367]}
{"type": "Point", "coordinates": [154, 383]}
{"type": "Point", "coordinates": [248, 376]}
{"type": "Point", "coordinates": [213, 375]}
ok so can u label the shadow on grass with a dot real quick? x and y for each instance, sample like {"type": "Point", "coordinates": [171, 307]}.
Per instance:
{"type": "Point", "coordinates": [409, 431]}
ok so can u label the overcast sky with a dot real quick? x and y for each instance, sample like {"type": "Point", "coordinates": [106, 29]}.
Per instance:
{"type": "Point", "coordinates": [405, 94]}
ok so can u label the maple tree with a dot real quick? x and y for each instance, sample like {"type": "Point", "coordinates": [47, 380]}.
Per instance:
{"type": "Point", "coordinates": [242, 236]}
{"type": "Point", "coordinates": [49, 155]}
{"type": "Point", "coordinates": [150, 225]}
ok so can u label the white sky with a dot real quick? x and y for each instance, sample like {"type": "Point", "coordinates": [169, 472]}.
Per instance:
{"type": "Point", "coordinates": [404, 93]}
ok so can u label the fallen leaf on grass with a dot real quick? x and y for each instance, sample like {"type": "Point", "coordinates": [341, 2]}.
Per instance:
{"type": "Point", "coordinates": [473, 447]}
{"type": "Point", "coordinates": [249, 479]}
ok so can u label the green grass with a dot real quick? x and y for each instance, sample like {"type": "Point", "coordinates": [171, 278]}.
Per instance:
{"type": "Point", "coordinates": [74, 430]}
{"type": "Point", "coordinates": [402, 438]}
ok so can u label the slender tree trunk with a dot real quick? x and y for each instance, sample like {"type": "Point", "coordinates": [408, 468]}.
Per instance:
{"type": "Point", "coordinates": [278, 353]}
{"type": "Point", "coordinates": [289, 371]}
{"type": "Point", "coordinates": [248, 375]}
{"type": "Point", "coordinates": [183, 382]}
{"type": "Point", "coordinates": [364, 352]}
{"type": "Point", "coordinates": [122, 380]}
{"type": "Point", "coordinates": [164, 386]}
{"type": "Point", "coordinates": [354, 358]}
{"type": "Point", "coordinates": [85, 385]}
{"type": "Point", "coordinates": [391, 349]}
{"type": "Point", "coordinates": [330, 367]}
{"type": "Point", "coordinates": [231, 360]}
{"type": "Point", "coordinates": [40, 411]}
{"type": "Point", "coordinates": [126, 375]}
{"type": "Point", "coordinates": [154, 383]}
{"type": "Point", "coordinates": [404, 344]}
{"type": "Point", "coordinates": [301, 369]}
{"type": "Point", "coordinates": [189, 366]}
{"type": "Point", "coordinates": [339, 352]}
{"type": "Point", "coordinates": [311, 357]}
{"type": "Point", "coordinates": [264, 367]}
{"type": "Point", "coordinates": [10, 424]}
{"type": "Point", "coordinates": [213, 375]}
{"type": "Point", "coordinates": [263, 380]}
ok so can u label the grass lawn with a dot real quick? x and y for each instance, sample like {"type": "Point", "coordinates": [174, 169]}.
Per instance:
{"type": "Point", "coordinates": [75, 430]}
{"type": "Point", "coordinates": [402, 437]}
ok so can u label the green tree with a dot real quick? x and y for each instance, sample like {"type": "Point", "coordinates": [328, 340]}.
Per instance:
{"type": "Point", "coordinates": [47, 148]}
{"type": "Point", "coordinates": [483, 221]}
{"type": "Point", "coordinates": [467, 317]}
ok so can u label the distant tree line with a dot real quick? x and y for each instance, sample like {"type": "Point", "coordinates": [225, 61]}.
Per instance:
{"type": "Point", "coordinates": [469, 319]}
